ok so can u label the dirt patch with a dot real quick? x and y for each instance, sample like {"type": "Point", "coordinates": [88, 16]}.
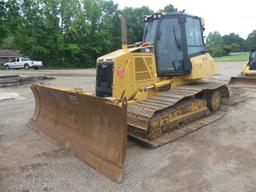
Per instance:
{"type": "Point", "coordinates": [218, 158]}
{"type": "Point", "coordinates": [32, 166]}
{"type": "Point", "coordinates": [16, 80]}
{"type": "Point", "coordinates": [56, 154]}
{"type": "Point", "coordinates": [8, 96]}
{"type": "Point", "coordinates": [237, 95]}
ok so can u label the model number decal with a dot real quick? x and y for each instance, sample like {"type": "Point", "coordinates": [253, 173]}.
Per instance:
{"type": "Point", "coordinates": [120, 71]}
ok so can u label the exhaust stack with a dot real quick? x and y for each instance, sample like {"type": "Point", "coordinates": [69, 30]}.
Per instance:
{"type": "Point", "coordinates": [124, 32]}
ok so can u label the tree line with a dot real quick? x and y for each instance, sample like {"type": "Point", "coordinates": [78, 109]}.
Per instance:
{"type": "Point", "coordinates": [219, 45]}
{"type": "Point", "coordinates": [69, 33]}
{"type": "Point", "coordinates": [74, 33]}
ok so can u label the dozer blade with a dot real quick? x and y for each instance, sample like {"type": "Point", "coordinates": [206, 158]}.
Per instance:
{"type": "Point", "coordinates": [92, 128]}
{"type": "Point", "coordinates": [243, 81]}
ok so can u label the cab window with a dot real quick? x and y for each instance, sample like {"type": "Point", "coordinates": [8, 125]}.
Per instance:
{"type": "Point", "coordinates": [169, 47]}
{"type": "Point", "coordinates": [24, 59]}
{"type": "Point", "coordinates": [150, 31]}
{"type": "Point", "coordinates": [194, 36]}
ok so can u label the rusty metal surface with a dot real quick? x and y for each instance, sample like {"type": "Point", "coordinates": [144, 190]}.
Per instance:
{"type": "Point", "coordinates": [146, 110]}
{"type": "Point", "coordinates": [92, 128]}
{"type": "Point", "coordinates": [237, 94]}
{"type": "Point", "coordinates": [243, 81]}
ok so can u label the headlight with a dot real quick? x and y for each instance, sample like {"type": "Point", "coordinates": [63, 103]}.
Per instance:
{"type": "Point", "coordinates": [157, 15]}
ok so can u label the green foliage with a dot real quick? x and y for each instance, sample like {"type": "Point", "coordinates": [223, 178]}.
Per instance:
{"type": "Point", "coordinates": [3, 21]}
{"type": "Point", "coordinates": [169, 9]}
{"type": "Point", "coordinates": [9, 19]}
{"type": "Point", "coordinates": [13, 15]}
{"type": "Point", "coordinates": [235, 42]}
{"type": "Point", "coordinates": [220, 46]}
{"type": "Point", "coordinates": [215, 44]}
{"type": "Point", "coordinates": [214, 39]}
{"type": "Point", "coordinates": [38, 35]}
{"type": "Point", "coordinates": [233, 57]}
{"type": "Point", "coordinates": [74, 33]}
{"type": "Point", "coordinates": [251, 41]}
{"type": "Point", "coordinates": [66, 33]}
{"type": "Point", "coordinates": [8, 42]}
{"type": "Point", "coordinates": [91, 32]}
{"type": "Point", "coordinates": [134, 18]}
{"type": "Point", "coordinates": [70, 33]}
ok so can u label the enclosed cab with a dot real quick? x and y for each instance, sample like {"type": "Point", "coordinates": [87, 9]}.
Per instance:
{"type": "Point", "coordinates": [172, 46]}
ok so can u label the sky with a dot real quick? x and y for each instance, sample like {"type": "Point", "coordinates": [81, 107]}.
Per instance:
{"type": "Point", "coordinates": [225, 16]}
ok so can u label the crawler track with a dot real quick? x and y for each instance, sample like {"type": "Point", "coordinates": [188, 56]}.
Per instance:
{"type": "Point", "coordinates": [173, 114]}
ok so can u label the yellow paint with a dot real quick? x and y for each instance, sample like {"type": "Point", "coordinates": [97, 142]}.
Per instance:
{"type": "Point", "coordinates": [171, 116]}
{"type": "Point", "coordinates": [139, 80]}
{"type": "Point", "coordinates": [246, 70]}
{"type": "Point", "coordinates": [202, 21]}
{"type": "Point", "coordinates": [202, 66]}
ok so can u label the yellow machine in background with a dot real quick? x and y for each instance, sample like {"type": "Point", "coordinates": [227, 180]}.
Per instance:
{"type": "Point", "coordinates": [151, 91]}
{"type": "Point", "coordinates": [248, 74]}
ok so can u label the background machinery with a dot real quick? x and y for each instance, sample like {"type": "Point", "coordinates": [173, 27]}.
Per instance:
{"type": "Point", "coordinates": [151, 91]}
{"type": "Point", "coordinates": [248, 74]}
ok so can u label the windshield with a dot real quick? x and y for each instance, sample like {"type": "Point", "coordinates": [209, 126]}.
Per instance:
{"type": "Point", "coordinates": [253, 56]}
{"type": "Point", "coordinates": [150, 31]}
{"type": "Point", "coordinates": [194, 36]}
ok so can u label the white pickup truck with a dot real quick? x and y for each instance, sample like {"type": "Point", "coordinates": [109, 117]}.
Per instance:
{"type": "Point", "coordinates": [23, 62]}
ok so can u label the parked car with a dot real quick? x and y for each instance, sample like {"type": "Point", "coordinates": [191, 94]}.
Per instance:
{"type": "Point", "coordinates": [23, 62]}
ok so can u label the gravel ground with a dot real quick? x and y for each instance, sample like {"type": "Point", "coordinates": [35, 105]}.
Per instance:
{"type": "Point", "coordinates": [219, 158]}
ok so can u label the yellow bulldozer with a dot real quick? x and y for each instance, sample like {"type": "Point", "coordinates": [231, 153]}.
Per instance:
{"type": "Point", "coordinates": [151, 91]}
{"type": "Point", "coordinates": [247, 77]}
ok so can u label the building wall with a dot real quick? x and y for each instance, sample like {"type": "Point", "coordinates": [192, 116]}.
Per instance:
{"type": "Point", "coordinates": [7, 54]}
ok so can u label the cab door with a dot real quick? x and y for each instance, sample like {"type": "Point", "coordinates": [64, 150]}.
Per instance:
{"type": "Point", "coordinates": [21, 63]}
{"type": "Point", "coordinates": [169, 47]}
{"type": "Point", "coordinates": [12, 63]}
{"type": "Point", "coordinates": [17, 63]}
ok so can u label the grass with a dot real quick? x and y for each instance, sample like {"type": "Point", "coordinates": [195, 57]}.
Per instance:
{"type": "Point", "coordinates": [238, 57]}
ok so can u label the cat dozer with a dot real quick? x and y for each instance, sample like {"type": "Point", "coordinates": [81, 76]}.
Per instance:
{"type": "Point", "coordinates": [152, 91]}
{"type": "Point", "coordinates": [248, 74]}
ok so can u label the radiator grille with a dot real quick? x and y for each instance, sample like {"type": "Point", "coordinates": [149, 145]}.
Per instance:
{"type": "Point", "coordinates": [104, 79]}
